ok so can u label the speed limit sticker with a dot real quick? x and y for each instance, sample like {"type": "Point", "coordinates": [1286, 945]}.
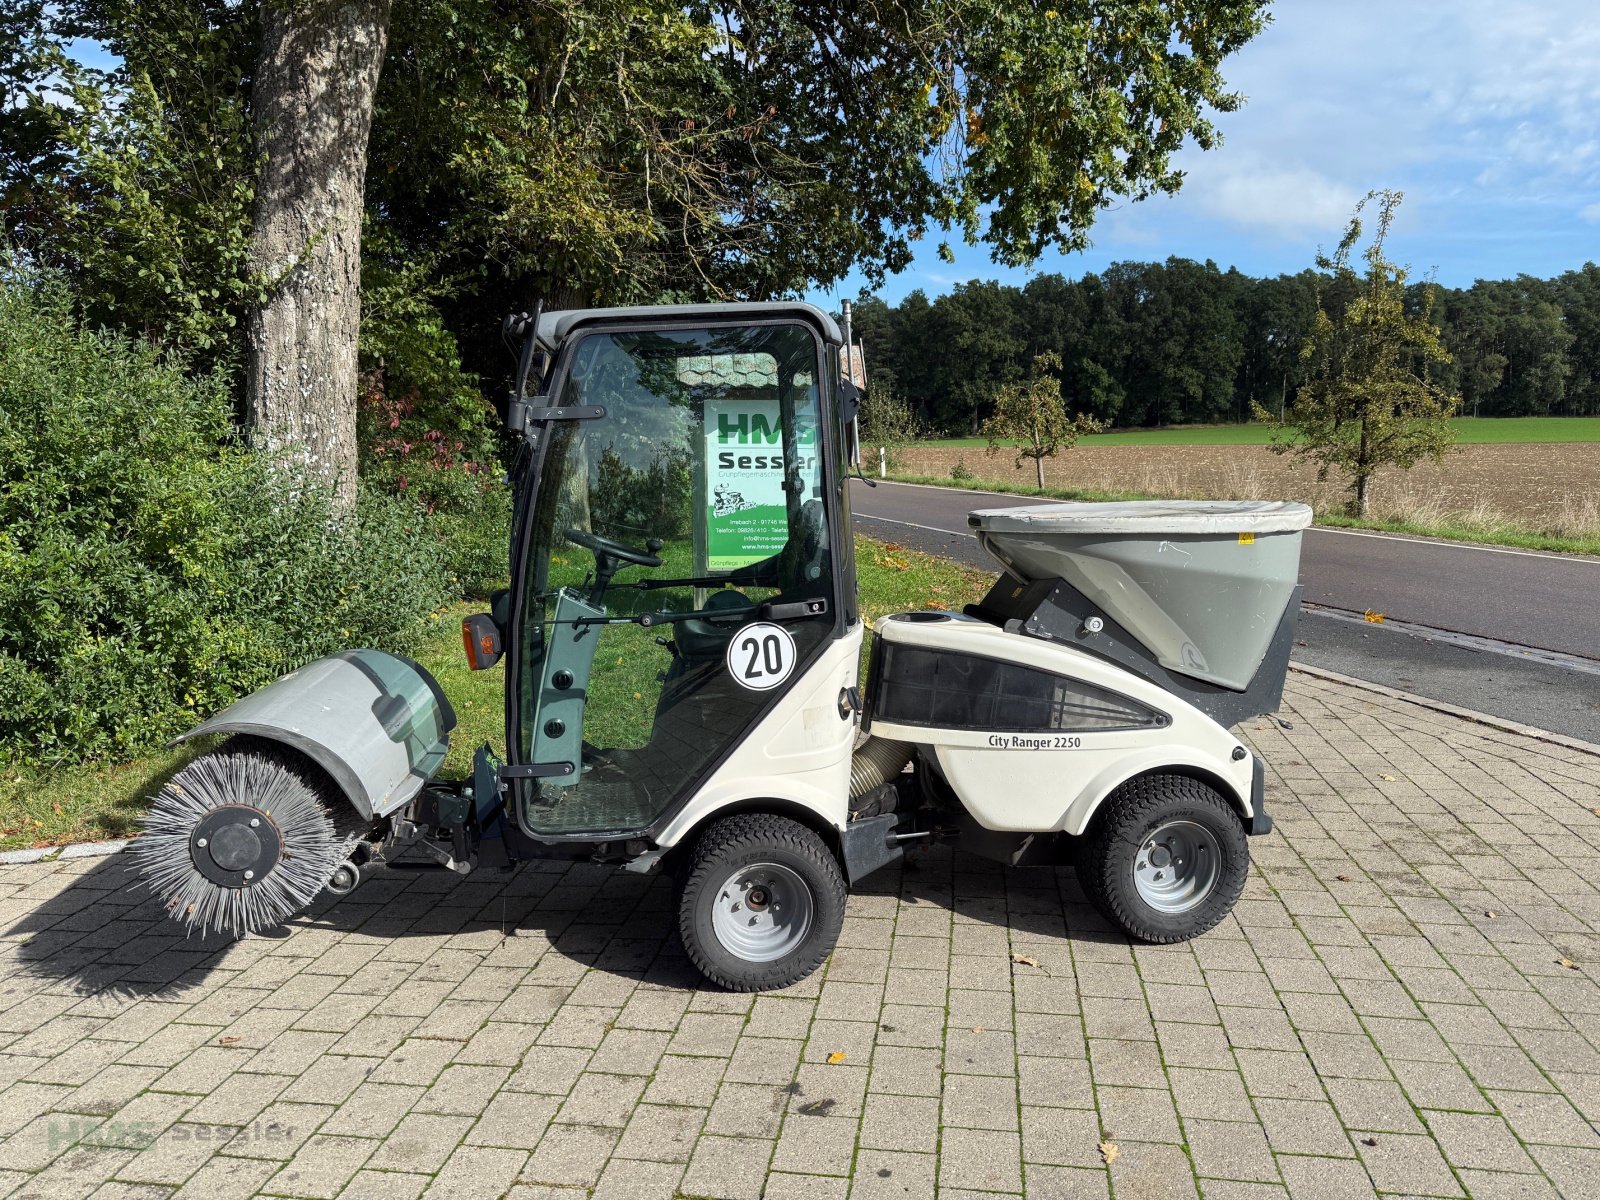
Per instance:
{"type": "Point", "coordinates": [761, 656]}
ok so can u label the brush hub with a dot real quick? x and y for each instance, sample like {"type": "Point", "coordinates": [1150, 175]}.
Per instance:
{"type": "Point", "coordinates": [235, 845]}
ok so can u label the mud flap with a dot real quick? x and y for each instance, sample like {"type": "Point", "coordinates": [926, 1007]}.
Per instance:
{"type": "Point", "coordinates": [1260, 821]}
{"type": "Point", "coordinates": [869, 844]}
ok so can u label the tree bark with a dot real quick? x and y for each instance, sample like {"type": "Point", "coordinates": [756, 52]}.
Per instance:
{"type": "Point", "coordinates": [315, 77]}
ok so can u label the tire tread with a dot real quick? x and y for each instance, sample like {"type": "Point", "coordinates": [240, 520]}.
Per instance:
{"type": "Point", "coordinates": [1132, 806]}
{"type": "Point", "coordinates": [759, 830]}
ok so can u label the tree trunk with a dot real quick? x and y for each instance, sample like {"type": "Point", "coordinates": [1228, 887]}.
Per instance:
{"type": "Point", "coordinates": [1038, 469]}
{"type": "Point", "coordinates": [1363, 472]}
{"type": "Point", "coordinates": [315, 77]}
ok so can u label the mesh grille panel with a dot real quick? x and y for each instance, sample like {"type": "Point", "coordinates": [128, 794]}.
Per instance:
{"type": "Point", "coordinates": [961, 691]}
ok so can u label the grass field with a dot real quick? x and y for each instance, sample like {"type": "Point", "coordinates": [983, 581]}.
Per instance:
{"type": "Point", "coordinates": [100, 802]}
{"type": "Point", "coordinates": [1470, 431]}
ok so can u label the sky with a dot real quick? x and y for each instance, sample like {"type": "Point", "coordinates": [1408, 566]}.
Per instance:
{"type": "Point", "coordinates": [1485, 113]}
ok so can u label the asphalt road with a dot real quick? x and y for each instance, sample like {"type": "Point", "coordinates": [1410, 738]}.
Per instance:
{"type": "Point", "coordinates": [1507, 632]}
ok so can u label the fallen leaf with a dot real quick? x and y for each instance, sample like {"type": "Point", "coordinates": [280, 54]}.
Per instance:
{"type": "Point", "coordinates": [1109, 1152]}
{"type": "Point", "coordinates": [1342, 878]}
{"type": "Point", "coordinates": [836, 1057]}
{"type": "Point", "coordinates": [1489, 912]}
{"type": "Point", "coordinates": [1376, 618]}
{"type": "Point", "coordinates": [1595, 811]}
{"type": "Point", "coordinates": [1387, 778]}
{"type": "Point", "coordinates": [1369, 1141]}
{"type": "Point", "coordinates": [818, 1108]}
{"type": "Point", "coordinates": [1026, 960]}
{"type": "Point", "coordinates": [1300, 643]}
{"type": "Point", "coordinates": [1567, 963]}
{"type": "Point", "coordinates": [228, 1041]}
{"type": "Point", "coordinates": [977, 1029]}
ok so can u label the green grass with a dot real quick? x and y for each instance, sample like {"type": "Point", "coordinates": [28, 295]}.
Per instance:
{"type": "Point", "coordinates": [100, 802]}
{"type": "Point", "coordinates": [1470, 431]}
{"type": "Point", "coordinates": [1497, 534]}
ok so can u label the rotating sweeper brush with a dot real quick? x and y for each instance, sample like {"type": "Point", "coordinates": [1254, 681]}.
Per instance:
{"type": "Point", "coordinates": [242, 838]}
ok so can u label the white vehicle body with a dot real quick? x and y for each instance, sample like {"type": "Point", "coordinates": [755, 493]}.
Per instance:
{"type": "Point", "coordinates": [799, 753]}
{"type": "Point", "coordinates": [1045, 782]}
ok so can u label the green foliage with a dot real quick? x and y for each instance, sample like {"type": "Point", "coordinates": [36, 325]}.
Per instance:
{"type": "Point", "coordinates": [152, 569]}
{"type": "Point", "coordinates": [886, 420]}
{"type": "Point", "coordinates": [961, 473]}
{"type": "Point", "coordinates": [1033, 418]}
{"type": "Point", "coordinates": [1180, 342]}
{"type": "Point", "coordinates": [1370, 401]}
{"type": "Point", "coordinates": [143, 177]}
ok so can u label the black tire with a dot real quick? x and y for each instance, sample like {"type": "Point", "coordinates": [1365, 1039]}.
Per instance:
{"type": "Point", "coordinates": [747, 840]}
{"type": "Point", "coordinates": [1112, 848]}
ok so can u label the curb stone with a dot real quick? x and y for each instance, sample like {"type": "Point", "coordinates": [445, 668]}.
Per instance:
{"type": "Point", "coordinates": [1454, 710]}
{"type": "Point", "coordinates": [13, 858]}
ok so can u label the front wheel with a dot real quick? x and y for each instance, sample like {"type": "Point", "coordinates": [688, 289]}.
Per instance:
{"type": "Point", "coordinates": [1165, 859]}
{"type": "Point", "coordinates": [762, 902]}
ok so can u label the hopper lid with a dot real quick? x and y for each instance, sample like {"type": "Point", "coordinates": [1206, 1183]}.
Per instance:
{"type": "Point", "coordinates": [1133, 517]}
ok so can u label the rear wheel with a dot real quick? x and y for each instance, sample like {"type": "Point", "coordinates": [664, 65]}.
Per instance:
{"type": "Point", "coordinates": [762, 902]}
{"type": "Point", "coordinates": [1165, 859]}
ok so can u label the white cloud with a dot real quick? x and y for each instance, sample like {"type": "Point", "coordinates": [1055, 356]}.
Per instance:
{"type": "Point", "coordinates": [1591, 212]}
{"type": "Point", "coordinates": [1286, 199]}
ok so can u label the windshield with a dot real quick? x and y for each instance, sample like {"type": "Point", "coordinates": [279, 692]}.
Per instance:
{"type": "Point", "coordinates": [695, 501]}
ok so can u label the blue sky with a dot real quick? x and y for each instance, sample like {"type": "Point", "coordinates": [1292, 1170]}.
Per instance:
{"type": "Point", "coordinates": [1486, 113]}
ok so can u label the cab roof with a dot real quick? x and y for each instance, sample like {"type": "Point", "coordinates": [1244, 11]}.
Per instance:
{"type": "Point", "coordinates": [556, 327]}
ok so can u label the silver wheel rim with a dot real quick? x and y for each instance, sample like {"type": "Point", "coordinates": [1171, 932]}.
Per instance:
{"type": "Point", "coordinates": [1177, 866]}
{"type": "Point", "coordinates": [762, 912]}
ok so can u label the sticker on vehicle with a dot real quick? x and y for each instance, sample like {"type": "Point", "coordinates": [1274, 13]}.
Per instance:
{"type": "Point", "coordinates": [761, 656]}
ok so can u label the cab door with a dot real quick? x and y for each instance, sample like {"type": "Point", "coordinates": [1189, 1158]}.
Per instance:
{"type": "Point", "coordinates": [677, 567]}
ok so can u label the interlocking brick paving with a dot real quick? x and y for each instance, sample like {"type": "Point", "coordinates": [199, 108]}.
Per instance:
{"type": "Point", "coordinates": [1390, 1010]}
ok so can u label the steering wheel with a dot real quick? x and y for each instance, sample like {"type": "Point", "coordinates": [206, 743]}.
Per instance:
{"type": "Point", "coordinates": [617, 550]}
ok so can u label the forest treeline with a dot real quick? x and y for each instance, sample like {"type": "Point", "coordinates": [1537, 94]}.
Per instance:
{"type": "Point", "coordinates": [1180, 341]}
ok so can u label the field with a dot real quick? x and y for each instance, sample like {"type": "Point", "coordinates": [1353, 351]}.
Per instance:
{"type": "Point", "coordinates": [1470, 431]}
{"type": "Point", "coordinates": [1546, 496]}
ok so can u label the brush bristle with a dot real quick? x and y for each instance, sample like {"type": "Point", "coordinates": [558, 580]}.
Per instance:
{"type": "Point", "coordinates": [318, 834]}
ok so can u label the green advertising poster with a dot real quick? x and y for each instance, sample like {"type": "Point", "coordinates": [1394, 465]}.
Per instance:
{"type": "Point", "coordinates": [746, 517]}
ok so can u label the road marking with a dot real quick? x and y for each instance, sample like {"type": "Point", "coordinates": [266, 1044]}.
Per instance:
{"type": "Point", "coordinates": [1453, 545]}
{"type": "Point", "coordinates": [912, 524]}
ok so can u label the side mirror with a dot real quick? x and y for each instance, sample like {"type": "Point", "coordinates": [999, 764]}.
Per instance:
{"type": "Point", "coordinates": [481, 637]}
{"type": "Point", "coordinates": [850, 412]}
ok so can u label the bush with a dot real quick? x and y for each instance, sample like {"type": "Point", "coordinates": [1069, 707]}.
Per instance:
{"type": "Point", "coordinates": [442, 457]}
{"type": "Point", "coordinates": [152, 569]}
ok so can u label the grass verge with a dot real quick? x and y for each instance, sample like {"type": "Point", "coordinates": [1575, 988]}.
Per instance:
{"type": "Point", "coordinates": [1455, 528]}
{"type": "Point", "coordinates": [1470, 431]}
{"type": "Point", "coordinates": [94, 803]}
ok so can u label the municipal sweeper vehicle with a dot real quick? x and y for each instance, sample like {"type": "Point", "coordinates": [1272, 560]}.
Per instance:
{"type": "Point", "coordinates": [681, 645]}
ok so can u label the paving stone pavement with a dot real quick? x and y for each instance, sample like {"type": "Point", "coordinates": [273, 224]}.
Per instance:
{"type": "Point", "coordinates": [1404, 1003]}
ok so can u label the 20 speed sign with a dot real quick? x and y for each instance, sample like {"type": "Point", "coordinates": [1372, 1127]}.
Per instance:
{"type": "Point", "coordinates": [761, 656]}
